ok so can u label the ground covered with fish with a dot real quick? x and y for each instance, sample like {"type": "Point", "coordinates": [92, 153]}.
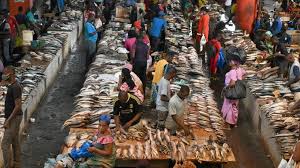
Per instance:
{"type": "Point", "coordinates": [45, 135]}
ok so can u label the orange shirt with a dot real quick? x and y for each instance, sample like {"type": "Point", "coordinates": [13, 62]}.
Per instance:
{"type": "Point", "coordinates": [203, 26]}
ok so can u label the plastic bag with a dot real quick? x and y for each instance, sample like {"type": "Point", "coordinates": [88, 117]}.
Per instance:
{"type": "Point", "coordinates": [82, 152]}
{"type": "Point", "coordinates": [282, 163]}
{"type": "Point", "coordinates": [291, 163]}
{"type": "Point", "coordinates": [202, 42]}
{"type": "Point", "coordinates": [238, 91]}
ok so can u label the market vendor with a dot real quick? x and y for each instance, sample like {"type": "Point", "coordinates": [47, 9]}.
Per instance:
{"type": "Point", "coordinates": [163, 96]}
{"type": "Point", "coordinates": [103, 149]}
{"type": "Point", "coordinates": [176, 109]}
{"type": "Point", "coordinates": [127, 110]}
{"type": "Point", "coordinates": [280, 55]}
{"type": "Point", "coordinates": [128, 84]}
{"type": "Point", "coordinates": [284, 38]}
{"type": "Point", "coordinates": [294, 76]}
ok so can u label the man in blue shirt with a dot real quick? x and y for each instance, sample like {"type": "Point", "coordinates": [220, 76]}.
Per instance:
{"type": "Point", "coordinates": [91, 37]}
{"type": "Point", "coordinates": [158, 25]}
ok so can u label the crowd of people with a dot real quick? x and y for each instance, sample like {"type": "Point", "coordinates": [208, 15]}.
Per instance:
{"type": "Point", "coordinates": [145, 37]}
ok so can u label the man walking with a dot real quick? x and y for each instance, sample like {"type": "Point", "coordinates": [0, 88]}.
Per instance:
{"type": "Point", "coordinates": [13, 117]}
{"type": "Point", "coordinates": [163, 97]}
{"type": "Point", "coordinates": [91, 37]}
{"type": "Point", "coordinates": [140, 55]}
{"type": "Point", "coordinates": [158, 25]}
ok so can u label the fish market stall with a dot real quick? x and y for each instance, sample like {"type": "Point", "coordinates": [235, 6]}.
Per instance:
{"type": "Point", "coordinates": [37, 71]}
{"type": "Point", "coordinates": [268, 98]}
{"type": "Point", "coordinates": [70, 22]}
{"type": "Point", "coordinates": [143, 142]}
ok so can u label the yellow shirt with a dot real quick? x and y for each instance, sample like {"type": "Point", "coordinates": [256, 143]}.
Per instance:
{"type": "Point", "coordinates": [159, 70]}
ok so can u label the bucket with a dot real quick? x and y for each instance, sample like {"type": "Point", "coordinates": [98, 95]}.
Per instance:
{"type": "Point", "coordinates": [27, 37]}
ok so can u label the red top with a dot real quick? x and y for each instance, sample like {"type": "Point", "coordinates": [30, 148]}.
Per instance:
{"type": "Point", "coordinates": [203, 27]}
{"type": "Point", "coordinates": [13, 25]}
{"type": "Point", "coordinates": [214, 60]}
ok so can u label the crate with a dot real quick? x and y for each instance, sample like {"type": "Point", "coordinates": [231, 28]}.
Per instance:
{"type": "Point", "coordinates": [122, 12]}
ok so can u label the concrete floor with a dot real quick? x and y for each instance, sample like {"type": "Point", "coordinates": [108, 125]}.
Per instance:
{"type": "Point", "coordinates": [45, 136]}
{"type": "Point", "coordinates": [244, 140]}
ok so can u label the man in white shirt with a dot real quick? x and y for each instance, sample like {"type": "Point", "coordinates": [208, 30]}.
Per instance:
{"type": "Point", "coordinates": [177, 104]}
{"type": "Point", "coordinates": [163, 97]}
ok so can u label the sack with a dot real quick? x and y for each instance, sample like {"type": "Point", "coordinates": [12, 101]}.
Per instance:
{"type": "Point", "coordinates": [238, 91]}
{"type": "Point", "coordinates": [221, 60]}
{"type": "Point", "coordinates": [202, 42]}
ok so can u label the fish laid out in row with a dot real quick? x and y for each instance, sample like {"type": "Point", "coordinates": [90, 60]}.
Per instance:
{"type": "Point", "coordinates": [98, 91]}
{"type": "Point", "coordinates": [273, 97]}
{"type": "Point", "coordinates": [284, 124]}
{"type": "Point", "coordinates": [189, 69]}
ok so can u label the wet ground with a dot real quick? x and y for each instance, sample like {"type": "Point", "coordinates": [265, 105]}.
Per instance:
{"type": "Point", "coordinates": [45, 136]}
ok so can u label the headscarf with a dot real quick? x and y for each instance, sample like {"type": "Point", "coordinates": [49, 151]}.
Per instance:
{"type": "Point", "coordinates": [105, 117]}
{"type": "Point", "coordinates": [128, 66]}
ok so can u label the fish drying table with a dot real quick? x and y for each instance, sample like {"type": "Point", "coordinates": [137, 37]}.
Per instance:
{"type": "Point", "coordinates": [200, 137]}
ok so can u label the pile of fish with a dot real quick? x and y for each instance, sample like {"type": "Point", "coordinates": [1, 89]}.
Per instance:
{"type": "Point", "coordinates": [29, 78]}
{"type": "Point", "coordinates": [96, 96]}
{"type": "Point", "coordinates": [203, 111]}
{"type": "Point", "coordinates": [284, 124]}
{"type": "Point", "coordinates": [272, 95]}
{"type": "Point", "coordinates": [67, 21]}
{"type": "Point", "coordinates": [157, 145]}
{"type": "Point", "coordinates": [212, 150]}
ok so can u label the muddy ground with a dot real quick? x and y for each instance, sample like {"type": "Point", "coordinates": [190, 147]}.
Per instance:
{"type": "Point", "coordinates": [45, 137]}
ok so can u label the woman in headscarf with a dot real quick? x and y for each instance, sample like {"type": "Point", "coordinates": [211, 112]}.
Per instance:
{"type": "Point", "coordinates": [131, 83]}
{"type": "Point", "coordinates": [103, 149]}
{"type": "Point", "coordinates": [230, 108]}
